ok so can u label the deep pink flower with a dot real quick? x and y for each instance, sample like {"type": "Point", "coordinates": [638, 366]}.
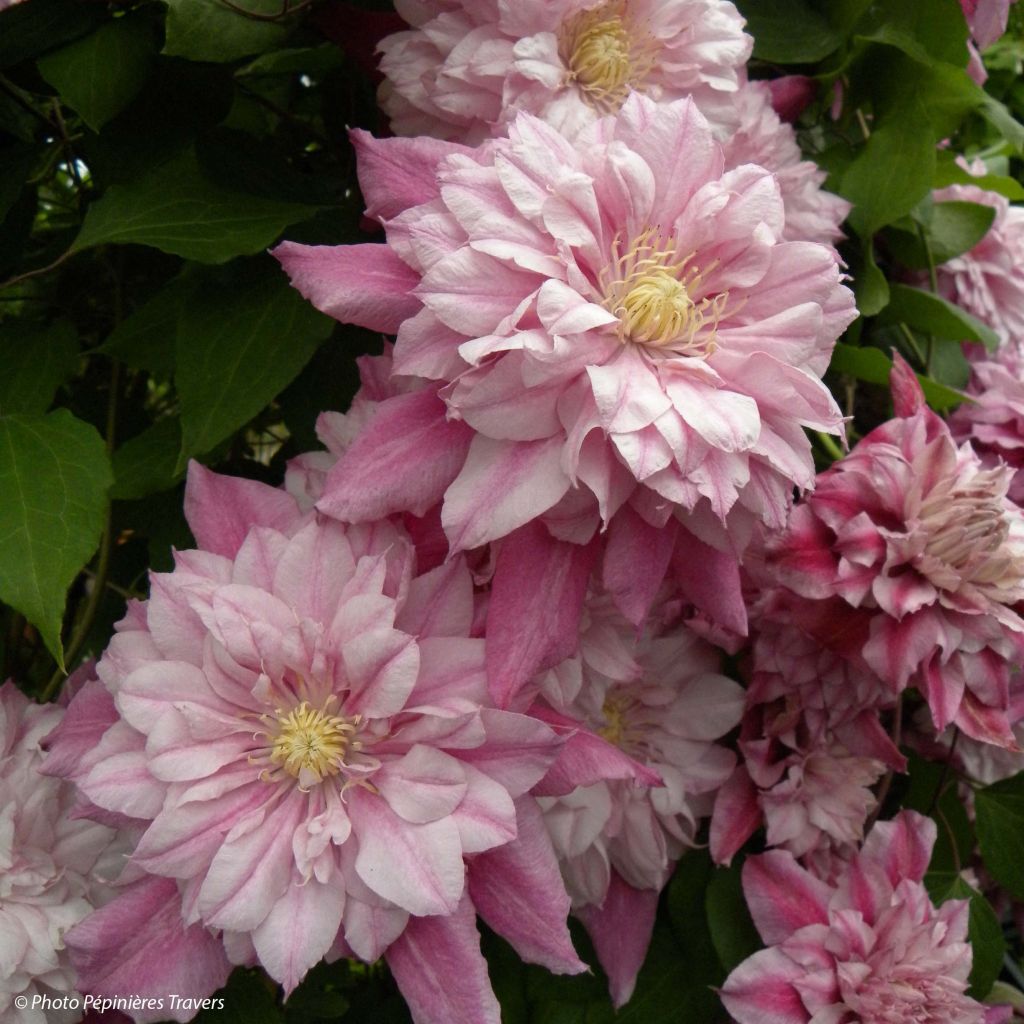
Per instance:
{"type": "Point", "coordinates": [467, 67]}
{"type": "Point", "coordinates": [306, 738]}
{"type": "Point", "coordinates": [604, 324]}
{"type": "Point", "coordinates": [994, 420]}
{"type": "Point", "coordinates": [54, 867]}
{"type": "Point", "coordinates": [658, 696]}
{"type": "Point", "coordinates": [870, 946]}
{"type": "Point", "coordinates": [988, 280]}
{"type": "Point", "coordinates": [919, 535]}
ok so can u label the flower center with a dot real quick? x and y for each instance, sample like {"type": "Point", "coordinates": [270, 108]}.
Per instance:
{"type": "Point", "coordinates": [606, 55]}
{"type": "Point", "coordinates": [311, 744]}
{"type": "Point", "coordinates": [657, 296]}
{"type": "Point", "coordinates": [620, 725]}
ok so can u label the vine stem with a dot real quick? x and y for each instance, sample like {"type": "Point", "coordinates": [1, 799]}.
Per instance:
{"type": "Point", "coordinates": [39, 270]}
{"type": "Point", "coordinates": [88, 617]}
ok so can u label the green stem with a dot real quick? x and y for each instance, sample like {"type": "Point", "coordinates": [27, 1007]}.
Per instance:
{"type": "Point", "coordinates": [829, 444]}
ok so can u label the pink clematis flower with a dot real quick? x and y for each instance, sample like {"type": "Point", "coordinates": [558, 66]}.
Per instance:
{"type": "Point", "coordinates": [919, 535]}
{"type": "Point", "coordinates": [988, 280]}
{"type": "Point", "coordinates": [994, 421]}
{"type": "Point", "coordinates": [305, 737]}
{"type": "Point", "coordinates": [870, 946]}
{"type": "Point", "coordinates": [986, 19]}
{"type": "Point", "coordinates": [602, 325]}
{"type": "Point", "coordinates": [53, 866]}
{"type": "Point", "coordinates": [466, 67]}
{"type": "Point", "coordinates": [659, 698]}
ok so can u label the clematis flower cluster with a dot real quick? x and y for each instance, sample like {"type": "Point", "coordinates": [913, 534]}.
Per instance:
{"type": "Point", "coordinates": [867, 945]}
{"type": "Point", "coordinates": [52, 865]}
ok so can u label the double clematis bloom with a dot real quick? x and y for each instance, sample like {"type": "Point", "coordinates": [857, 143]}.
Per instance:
{"type": "Point", "coordinates": [53, 866]}
{"type": "Point", "coordinates": [305, 742]}
{"type": "Point", "coordinates": [467, 67]}
{"type": "Point", "coordinates": [868, 945]}
{"type": "Point", "coordinates": [920, 537]}
{"type": "Point", "coordinates": [659, 698]}
{"type": "Point", "coordinates": [597, 325]}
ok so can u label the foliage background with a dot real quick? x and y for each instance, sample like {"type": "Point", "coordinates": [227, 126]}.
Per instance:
{"type": "Point", "coordinates": [150, 152]}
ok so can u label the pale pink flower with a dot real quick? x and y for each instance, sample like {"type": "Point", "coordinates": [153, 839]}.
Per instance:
{"type": "Point", "coordinates": [761, 137]}
{"type": "Point", "coordinates": [467, 67]}
{"type": "Point", "coordinates": [919, 536]}
{"type": "Point", "coordinates": [868, 947]}
{"type": "Point", "coordinates": [986, 19]}
{"type": "Point", "coordinates": [659, 697]}
{"type": "Point", "coordinates": [988, 280]}
{"type": "Point", "coordinates": [994, 420]}
{"type": "Point", "coordinates": [53, 866]}
{"type": "Point", "coordinates": [604, 324]}
{"type": "Point", "coordinates": [305, 734]}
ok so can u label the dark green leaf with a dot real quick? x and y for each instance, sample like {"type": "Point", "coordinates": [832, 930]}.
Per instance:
{"type": "Point", "coordinates": [147, 464]}
{"type": "Point", "coordinates": [938, 27]}
{"type": "Point", "coordinates": [175, 209]}
{"type": "Point", "coordinates": [36, 361]}
{"type": "Point", "coordinates": [873, 366]}
{"type": "Point", "coordinates": [956, 227]}
{"type": "Point", "coordinates": [984, 932]}
{"type": "Point", "coordinates": [30, 29]}
{"type": "Point", "coordinates": [99, 75]}
{"type": "Point", "coordinates": [870, 286]}
{"type": "Point", "coordinates": [210, 30]}
{"type": "Point", "coordinates": [771, 23]}
{"type": "Point", "coordinates": [934, 315]}
{"type": "Point", "coordinates": [933, 791]}
{"type": "Point", "coordinates": [248, 998]}
{"type": "Point", "coordinates": [732, 929]}
{"type": "Point", "coordinates": [307, 60]}
{"type": "Point", "coordinates": [1000, 825]}
{"type": "Point", "coordinates": [16, 164]}
{"type": "Point", "coordinates": [54, 475]}
{"type": "Point", "coordinates": [242, 338]}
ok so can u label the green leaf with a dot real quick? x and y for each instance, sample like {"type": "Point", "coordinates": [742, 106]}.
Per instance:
{"type": "Point", "coordinates": [98, 76]}
{"type": "Point", "coordinates": [732, 928]}
{"type": "Point", "coordinates": [249, 997]}
{"type": "Point", "coordinates": [870, 286]}
{"type": "Point", "coordinates": [242, 338]}
{"type": "Point", "coordinates": [771, 23]}
{"type": "Point", "coordinates": [933, 792]}
{"type": "Point", "coordinates": [30, 29]}
{"type": "Point", "coordinates": [956, 227]}
{"type": "Point", "coordinates": [890, 174]}
{"type": "Point", "coordinates": [873, 366]}
{"type": "Point", "coordinates": [1000, 825]}
{"type": "Point", "coordinates": [54, 475]}
{"type": "Point", "coordinates": [949, 172]}
{"type": "Point", "coordinates": [938, 27]}
{"type": "Point", "coordinates": [933, 314]}
{"type": "Point", "coordinates": [175, 209]}
{"type": "Point", "coordinates": [984, 931]}
{"type": "Point", "coordinates": [36, 361]}
{"type": "Point", "coordinates": [16, 163]}
{"type": "Point", "coordinates": [210, 30]}
{"type": "Point", "coordinates": [306, 60]}
{"type": "Point", "coordinates": [148, 463]}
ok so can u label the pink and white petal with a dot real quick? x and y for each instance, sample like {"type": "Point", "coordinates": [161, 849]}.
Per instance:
{"type": "Point", "coordinates": [486, 818]}
{"type": "Point", "coordinates": [417, 867]}
{"type": "Point", "coordinates": [424, 785]}
{"type": "Point", "coordinates": [736, 816]}
{"type": "Point", "coordinates": [710, 579]}
{"type": "Point", "coordinates": [621, 930]}
{"type": "Point", "coordinates": [222, 509]}
{"type": "Point", "coordinates": [518, 891]}
{"type": "Point", "coordinates": [761, 991]}
{"type": "Point", "coordinates": [88, 716]}
{"type": "Point", "coordinates": [381, 666]}
{"type": "Point", "coordinates": [518, 750]}
{"type": "Point", "coordinates": [138, 944]}
{"type": "Point", "coordinates": [636, 559]}
{"type": "Point", "coordinates": [403, 460]}
{"type": "Point", "coordinates": [782, 896]}
{"type": "Point", "coordinates": [441, 972]}
{"type": "Point", "coordinates": [439, 602]}
{"type": "Point", "coordinates": [370, 929]}
{"type": "Point", "coordinates": [300, 929]}
{"type": "Point", "coordinates": [535, 605]}
{"type": "Point", "coordinates": [366, 284]}
{"type": "Point", "coordinates": [502, 486]}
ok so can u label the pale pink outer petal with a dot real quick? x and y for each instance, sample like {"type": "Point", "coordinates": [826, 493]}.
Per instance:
{"type": "Point", "coordinates": [441, 972]}
{"type": "Point", "coordinates": [760, 990]}
{"type": "Point", "coordinates": [518, 891]}
{"type": "Point", "coordinates": [534, 612]}
{"type": "Point", "coordinates": [502, 486]}
{"type": "Point", "coordinates": [782, 896]}
{"type": "Point", "coordinates": [221, 510]}
{"type": "Point", "coordinates": [621, 931]}
{"type": "Point", "coordinates": [88, 716]}
{"type": "Point", "coordinates": [397, 173]}
{"type": "Point", "coordinates": [138, 945]}
{"type": "Point", "coordinates": [401, 461]}
{"type": "Point", "coordinates": [299, 930]}
{"type": "Point", "coordinates": [365, 284]}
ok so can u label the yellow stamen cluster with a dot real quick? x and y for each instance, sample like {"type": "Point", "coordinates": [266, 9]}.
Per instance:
{"type": "Point", "coordinates": [311, 744]}
{"type": "Point", "coordinates": [620, 728]}
{"type": "Point", "coordinates": [606, 55]}
{"type": "Point", "coordinates": [658, 296]}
